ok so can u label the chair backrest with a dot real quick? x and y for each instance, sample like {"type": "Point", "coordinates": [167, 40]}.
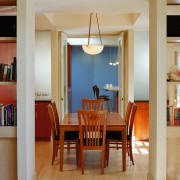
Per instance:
{"type": "Point", "coordinates": [128, 114]}
{"type": "Point", "coordinates": [52, 119]}
{"type": "Point", "coordinates": [55, 115]}
{"type": "Point", "coordinates": [91, 104]}
{"type": "Point", "coordinates": [94, 90]}
{"type": "Point", "coordinates": [95, 122]}
{"type": "Point", "coordinates": [131, 123]}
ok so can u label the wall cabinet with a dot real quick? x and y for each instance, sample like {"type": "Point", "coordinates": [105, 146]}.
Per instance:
{"type": "Point", "coordinates": [42, 121]}
{"type": "Point", "coordinates": [141, 122]}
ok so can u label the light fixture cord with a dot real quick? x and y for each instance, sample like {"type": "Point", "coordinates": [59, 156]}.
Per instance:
{"type": "Point", "coordinates": [89, 28]}
{"type": "Point", "coordinates": [98, 28]}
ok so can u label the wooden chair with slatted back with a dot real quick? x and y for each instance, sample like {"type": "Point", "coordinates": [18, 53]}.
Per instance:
{"type": "Point", "coordinates": [91, 104]}
{"type": "Point", "coordinates": [56, 116]}
{"type": "Point", "coordinates": [128, 115]}
{"type": "Point", "coordinates": [69, 137]}
{"type": "Point", "coordinates": [127, 118]}
{"type": "Point", "coordinates": [116, 137]}
{"type": "Point", "coordinates": [93, 122]}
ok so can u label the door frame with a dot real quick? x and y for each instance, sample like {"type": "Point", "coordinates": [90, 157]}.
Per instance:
{"type": "Point", "coordinates": [61, 38]}
{"type": "Point", "coordinates": [121, 75]}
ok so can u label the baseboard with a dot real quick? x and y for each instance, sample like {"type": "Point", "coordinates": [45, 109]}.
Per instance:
{"type": "Point", "coordinates": [34, 176]}
{"type": "Point", "coordinates": [149, 177]}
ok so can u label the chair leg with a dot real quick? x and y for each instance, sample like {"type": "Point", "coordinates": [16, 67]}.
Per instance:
{"type": "Point", "coordinates": [117, 146]}
{"type": "Point", "coordinates": [77, 152]}
{"type": "Point", "coordinates": [82, 161]}
{"type": "Point", "coordinates": [68, 146]}
{"type": "Point", "coordinates": [107, 156]}
{"type": "Point", "coordinates": [131, 154]}
{"type": "Point", "coordinates": [54, 152]}
{"type": "Point", "coordinates": [102, 165]}
{"type": "Point", "coordinates": [108, 106]}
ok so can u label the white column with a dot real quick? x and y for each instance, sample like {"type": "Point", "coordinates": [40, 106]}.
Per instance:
{"type": "Point", "coordinates": [55, 50]}
{"type": "Point", "coordinates": [131, 65]}
{"type": "Point", "coordinates": [157, 90]}
{"type": "Point", "coordinates": [25, 89]}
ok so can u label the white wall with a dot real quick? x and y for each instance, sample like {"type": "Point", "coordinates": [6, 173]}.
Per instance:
{"type": "Point", "coordinates": [141, 65]}
{"type": "Point", "coordinates": [43, 62]}
{"type": "Point", "coordinates": [25, 90]}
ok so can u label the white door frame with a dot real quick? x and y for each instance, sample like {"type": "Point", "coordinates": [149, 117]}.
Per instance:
{"type": "Point", "coordinates": [121, 75]}
{"type": "Point", "coordinates": [61, 38]}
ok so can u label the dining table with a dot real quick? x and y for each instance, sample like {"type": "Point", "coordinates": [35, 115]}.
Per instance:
{"type": "Point", "coordinates": [114, 123]}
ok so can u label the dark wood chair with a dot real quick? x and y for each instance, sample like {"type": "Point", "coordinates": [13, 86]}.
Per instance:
{"type": "Point", "coordinates": [69, 137]}
{"type": "Point", "coordinates": [94, 122]}
{"type": "Point", "coordinates": [91, 104]}
{"type": "Point", "coordinates": [104, 97]}
{"type": "Point", "coordinates": [116, 137]}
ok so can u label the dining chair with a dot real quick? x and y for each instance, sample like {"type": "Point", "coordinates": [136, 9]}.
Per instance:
{"type": "Point", "coordinates": [93, 104]}
{"type": "Point", "coordinates": [93, 122]}
{"type": "Point", "coordinates": [104, 97]}
{"type": "Point", "coordinates": [116, 137]}
{"type": "Point", "coordinates": [69, 137]}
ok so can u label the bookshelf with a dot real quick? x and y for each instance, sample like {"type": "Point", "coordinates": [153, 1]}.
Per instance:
{"type": "Point", "coordinates": [8, 91]}
{"type": "Point", "coordinates": [172, 131]}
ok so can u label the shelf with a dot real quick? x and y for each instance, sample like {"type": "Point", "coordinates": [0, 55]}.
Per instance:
{"type": "Point", "coordinates": [7, 83]}
{"type": "Point", "coordinates": [173, 132]}
{"type": "Point", "coordinates": [8, 131]}
{"type": "Point", "coordinates": [8, 3]}
{"type": "Point", "coordinates": [173, 39]}
{"type": "Point", "coordinates": [7, 39]}
{"type": "Point", "coordinates": [173, 82]}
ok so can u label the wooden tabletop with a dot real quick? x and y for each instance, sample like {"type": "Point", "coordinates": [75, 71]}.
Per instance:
{"type": "Point", "coordinates": [113, 119]}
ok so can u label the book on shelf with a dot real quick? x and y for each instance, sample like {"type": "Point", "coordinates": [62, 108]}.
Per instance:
{"type": "Point", "coordinates": [8, 72]}
{"type": "Point", "coordinates": [176, 117]}
{"type": "Point", "coordinates": [173, 116]}
{"type": "Point", "coordinates": [8, 115]}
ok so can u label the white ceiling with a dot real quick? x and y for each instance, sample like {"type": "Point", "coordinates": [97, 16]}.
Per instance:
{"type": "Point", "coordinates": [72, 16]}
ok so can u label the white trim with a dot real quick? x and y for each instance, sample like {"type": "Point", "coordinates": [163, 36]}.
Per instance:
{"type": "Point", "coordinates": [34, 176]}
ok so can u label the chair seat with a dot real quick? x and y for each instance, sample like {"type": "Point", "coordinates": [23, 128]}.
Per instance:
{"type": "Point", "coordinates": [69, 135]}
{"type": "Point", "coordinates": [100, 142]}
{"type": "Point", "coordinates": [116, 135]}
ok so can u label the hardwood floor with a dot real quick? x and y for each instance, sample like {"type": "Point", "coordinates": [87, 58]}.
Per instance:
{"type": "Point", "coordinates": [45, 171]}
{"type": "Point", "coordinates": [173, 159]}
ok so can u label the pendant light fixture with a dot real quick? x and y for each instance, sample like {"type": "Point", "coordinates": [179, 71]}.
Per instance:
{"type": "Point", "coordinates": [93, 49]}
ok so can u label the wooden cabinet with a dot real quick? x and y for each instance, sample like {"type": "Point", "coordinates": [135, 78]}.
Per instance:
{"type": "Point", "coordinates": [141, 122]}
{"type": "Point", "coordinates": [42, 121]}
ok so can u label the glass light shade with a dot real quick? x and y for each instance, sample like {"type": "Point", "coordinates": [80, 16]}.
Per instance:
{"type": "Point", "coordinates": [117, 62]}
{"type": "Point", "coordinates": [92, 49]}
{"type": "Point", "coordinates": [114, 64]}
{"type": "Point", "coordinates": [110, 63]}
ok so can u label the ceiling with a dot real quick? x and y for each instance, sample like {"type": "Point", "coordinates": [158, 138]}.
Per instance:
{"type": "Point", "coordinates": [72, 16]}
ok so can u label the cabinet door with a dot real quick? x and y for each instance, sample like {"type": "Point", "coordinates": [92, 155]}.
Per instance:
{"type": "Point", "coordinates": [43, 118]}
{"type": "Point", "coordinates": [141, 123]}
{"type": "Point", "coordinates": [37, 122]}
{"type": "Point", "coordinates": [42, 121]}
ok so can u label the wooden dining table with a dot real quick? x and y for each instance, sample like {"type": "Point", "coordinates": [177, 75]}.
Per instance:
{"type": "Point", "coordinates": [114, 123]}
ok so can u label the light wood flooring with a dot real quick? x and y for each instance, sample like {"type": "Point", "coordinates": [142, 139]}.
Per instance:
{"type": "Point", "coordinates": [45, 171]}
{"type": "Point", "coordinates": [173, 159]}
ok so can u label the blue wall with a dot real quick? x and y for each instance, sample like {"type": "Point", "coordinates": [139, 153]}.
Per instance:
{"type": "Point", "coordinates": [88, 70]}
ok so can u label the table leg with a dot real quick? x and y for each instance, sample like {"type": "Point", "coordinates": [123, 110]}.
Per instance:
{"type": "Point", "coordinates": [124, 148]}
{"type": "Point", "coordinates": [61, 148]}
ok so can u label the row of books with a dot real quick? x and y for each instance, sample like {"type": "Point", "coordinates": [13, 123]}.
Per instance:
{"type": "Point", "coordinates": [8, 115]}
{"type": "Point", "coordinates": [173, 116]}
{"type": "Point", "coordinates": [8, 72]}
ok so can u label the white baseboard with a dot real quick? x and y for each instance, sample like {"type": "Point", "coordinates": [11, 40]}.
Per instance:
{"type": "Point", "coordinates": [34, 176]}
{"type": "Point", "coordinates": [149, 177]}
